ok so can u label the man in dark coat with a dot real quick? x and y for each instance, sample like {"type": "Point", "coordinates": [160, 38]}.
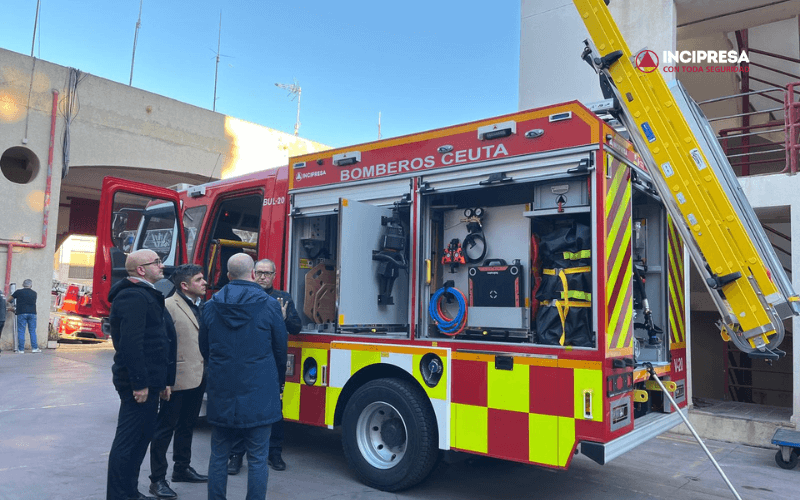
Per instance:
{"type": "Point", "coordinates": [265, 277]}
{"type": "Point", "coordinates": [243, 340]}
{"type": "Point", "coordinates": [143, 370]}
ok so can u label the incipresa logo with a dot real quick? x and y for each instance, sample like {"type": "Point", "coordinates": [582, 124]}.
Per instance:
{"type": "Point", "coordinates": [306, 175]}
{"type": "Point", "coordinates": [646, 61]}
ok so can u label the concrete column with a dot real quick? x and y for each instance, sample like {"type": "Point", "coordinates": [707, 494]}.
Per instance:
{"type": "Point", "coordinates": [777, 191]}
{"type": "Point", "coordinates": [551, 41]}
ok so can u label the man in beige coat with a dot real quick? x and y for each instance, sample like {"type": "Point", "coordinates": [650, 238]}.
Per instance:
{"type": "Point", "coordinates": [179, 414]}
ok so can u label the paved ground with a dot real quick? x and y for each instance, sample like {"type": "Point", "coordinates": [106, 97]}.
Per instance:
{"type": "Point", "coordinates": [58, 415]}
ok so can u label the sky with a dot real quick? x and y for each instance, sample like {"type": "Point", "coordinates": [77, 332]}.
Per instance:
{"type": "Point", "coordinates": [421, 64]}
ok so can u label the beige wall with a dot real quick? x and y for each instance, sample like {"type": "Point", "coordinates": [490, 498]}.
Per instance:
{"type": "Point", "coordinates": [551, 41]}
{"type": "Point", "coordinates": [117, 129]}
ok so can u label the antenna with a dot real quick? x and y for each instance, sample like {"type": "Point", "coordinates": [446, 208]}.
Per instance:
{"type": "Point", "coordinates": [216, 68]}
{"type": "Point", "coordinates": [293, 89]}
{"type": "Point", "coordinates": [35, 24]}
{"type": "Point", "coordinates": [379, 124]}
{"type": "Point", "coordinates": [135, 38]}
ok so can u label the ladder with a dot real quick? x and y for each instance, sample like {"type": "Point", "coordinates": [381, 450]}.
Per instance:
{"type": "Point", "coordinates": [698, 187]}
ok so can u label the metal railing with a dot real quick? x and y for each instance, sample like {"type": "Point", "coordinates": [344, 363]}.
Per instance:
{"type": "Point", "coordinates": [750, 145]}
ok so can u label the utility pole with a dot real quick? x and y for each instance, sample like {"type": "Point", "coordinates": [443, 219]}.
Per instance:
{"type": "Point", "coordinates": [135, 38]}
{"type": "Point", "coordinates": [216, 69]}
{"type": "Point", "coordinates": [296, 90]}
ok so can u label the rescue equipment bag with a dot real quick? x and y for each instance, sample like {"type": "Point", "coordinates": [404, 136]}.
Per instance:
{"type": "Point", "coordinates": [565, 293]}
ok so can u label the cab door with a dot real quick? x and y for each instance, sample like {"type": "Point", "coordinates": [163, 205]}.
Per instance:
{"type": "Point", "coordinates": [134, 216]}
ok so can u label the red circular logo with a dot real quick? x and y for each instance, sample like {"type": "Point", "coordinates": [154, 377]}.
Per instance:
{"type": "Point", "coordinates": [646, 61]}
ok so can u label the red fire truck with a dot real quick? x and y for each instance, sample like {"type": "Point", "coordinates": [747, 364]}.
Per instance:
{"type": "Point", "coordinates": [503, 288]}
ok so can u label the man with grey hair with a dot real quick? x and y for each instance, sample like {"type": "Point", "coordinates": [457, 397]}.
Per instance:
{"type": "Point", "coordinates": [243, 340]}
{"type": "Point", "coordinates": [26, 315]}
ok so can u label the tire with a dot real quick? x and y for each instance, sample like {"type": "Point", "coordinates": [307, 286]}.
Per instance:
{"type": "Point", "coordinates": [786, 465]}
{"type": "Point", "coordinates": [389, 434]}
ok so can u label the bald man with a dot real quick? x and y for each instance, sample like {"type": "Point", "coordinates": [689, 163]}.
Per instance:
{"type": "Point", "coordinates": [243, 340]}
{"type": "Point", "coordinates": [143, 370]}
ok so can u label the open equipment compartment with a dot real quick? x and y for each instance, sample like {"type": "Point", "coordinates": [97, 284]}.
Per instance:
{"type": "Point", "coordinates": [349, 249]}
{"type": "Point", "coordinates": [480, 273]}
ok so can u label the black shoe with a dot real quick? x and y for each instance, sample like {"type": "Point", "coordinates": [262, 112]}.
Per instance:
{"type": "Point", "coordinates": [276, 462]}
{"type": "Point", "coordinates": [235, 464]}
{"type": "Point", "coordinates": [188, 475]}
{"type": "Point", "coordinates": [161, 489]}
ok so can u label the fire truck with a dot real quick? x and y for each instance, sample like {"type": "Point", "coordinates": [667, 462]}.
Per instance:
{"type": "Point", "coordinates": [508, 288]}
{"type": "Point", "coordinates": [73, 319]}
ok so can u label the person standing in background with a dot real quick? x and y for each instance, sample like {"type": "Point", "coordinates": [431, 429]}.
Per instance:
{"type": "Point", "coordinates": [26, 315]}
{"type": "Point", "coordinates": [3, 312]}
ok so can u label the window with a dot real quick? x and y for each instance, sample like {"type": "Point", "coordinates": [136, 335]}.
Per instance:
{"type": "Point", "coordinates": [192, 222]}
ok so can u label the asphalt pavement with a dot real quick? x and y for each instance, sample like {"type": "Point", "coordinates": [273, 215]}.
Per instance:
{"type": "Point", "coordinates": [58, 412]}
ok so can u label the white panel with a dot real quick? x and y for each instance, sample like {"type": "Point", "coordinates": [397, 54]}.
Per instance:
{"type": "Point", "coordinates": [326, 200]}
{"type": "Point", "coordinates": [404, 361]}
{"type": "Point", "coordinates": [360, 233]}
{"type": "Point", "coordinates": [339, 368]}
{"type": "Point", "coordinates": [442, 410]}
{"type": "Point", "coordinates": [534, 166]}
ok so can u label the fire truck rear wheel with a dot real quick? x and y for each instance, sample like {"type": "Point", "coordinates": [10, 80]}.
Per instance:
{"type": "Point", "coordinates": [389, 434]}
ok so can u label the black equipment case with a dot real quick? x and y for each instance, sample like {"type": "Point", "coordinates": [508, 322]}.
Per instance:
{"type": "Point", "coordinates": [496, 284]}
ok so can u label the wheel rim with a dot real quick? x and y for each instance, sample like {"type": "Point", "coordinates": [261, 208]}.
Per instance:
{"type": "Point", "coordinates": [381, 435]}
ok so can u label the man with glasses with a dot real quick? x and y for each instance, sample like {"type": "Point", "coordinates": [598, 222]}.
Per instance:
{"type": "Point", "coordinates": [265, 276]}
{"type": "Point", "coordinates": [143, 370]}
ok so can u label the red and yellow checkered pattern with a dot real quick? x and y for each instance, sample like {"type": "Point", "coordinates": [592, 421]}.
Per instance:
{"type": "Point", "coordinates": [526, 414]}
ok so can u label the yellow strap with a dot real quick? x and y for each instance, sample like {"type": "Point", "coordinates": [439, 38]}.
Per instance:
{"type": "Point", "coordinates": [583, 254]}
{"type": "Point", "coordinates": [569, 270]}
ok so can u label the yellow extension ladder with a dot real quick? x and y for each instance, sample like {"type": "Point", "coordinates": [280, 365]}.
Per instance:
{"type": "Point", "coordinates": [720, 229]}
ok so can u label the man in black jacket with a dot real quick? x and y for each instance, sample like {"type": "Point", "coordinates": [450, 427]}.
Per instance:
{"type": "Point", "coordinates": [243, 340]}
{"type": "Point", "coordinates": [143, 370]}
{"type": "Point", "coordinates": [265, 277]}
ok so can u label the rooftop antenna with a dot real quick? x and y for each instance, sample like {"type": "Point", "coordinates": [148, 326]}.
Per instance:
{"type": "Point", "coordinates": [217, 55]}
{"type": "Point", "coordinates": [293, 89]}
{"type": "Point", "coordinates": [216, 68]}
{"type": "Point", "coordinates": [379, 124]}
{"type": "Point", "coordinates": [35, 25]}
{"type": "Point", "coordinates": [135, 38]}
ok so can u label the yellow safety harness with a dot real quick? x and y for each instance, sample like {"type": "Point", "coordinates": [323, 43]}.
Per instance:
{"type": "Point", "coordinates": [569, 298]}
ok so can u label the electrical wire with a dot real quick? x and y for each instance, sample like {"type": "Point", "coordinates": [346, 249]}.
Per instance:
{"type": "Point", "coordinates": [71, 107]}
{"type": "Point", "coordinates": [449, 326]}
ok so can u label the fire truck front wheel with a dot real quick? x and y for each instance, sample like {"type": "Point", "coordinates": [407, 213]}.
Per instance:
{"type": "Point", "coordinates": [389, 434]}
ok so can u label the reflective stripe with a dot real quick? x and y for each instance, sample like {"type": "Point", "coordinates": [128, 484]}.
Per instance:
{"type": "Point", "coordinates": [576, 294]}
{"type": "Point", "coordinates": [583, 254]}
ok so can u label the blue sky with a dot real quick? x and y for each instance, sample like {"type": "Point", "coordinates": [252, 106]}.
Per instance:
{"type": "Point", "coordinates": [422, 64]}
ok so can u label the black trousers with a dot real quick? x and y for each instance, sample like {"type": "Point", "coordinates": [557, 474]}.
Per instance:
{"type": "Point", "coordinates": [275, 441]}
{"type": "Point", "coordinates": [135, 426]}
{"type": "Point", "coordinates": [176, 416]}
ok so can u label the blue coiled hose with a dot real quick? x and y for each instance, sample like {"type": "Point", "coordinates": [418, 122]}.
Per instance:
{"type": "Point", "coordinates": [448, 326]}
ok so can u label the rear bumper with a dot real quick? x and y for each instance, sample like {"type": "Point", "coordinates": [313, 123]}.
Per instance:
{"type": "Point", "coordinates": [646, 428]}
